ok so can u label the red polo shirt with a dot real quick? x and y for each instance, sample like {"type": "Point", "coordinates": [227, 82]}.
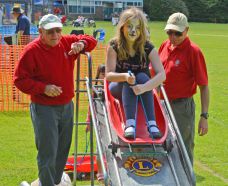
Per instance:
{"type": "Point", "coordinates": [185, 69]}
{"type": "Point", "coordinates": [40, 65]}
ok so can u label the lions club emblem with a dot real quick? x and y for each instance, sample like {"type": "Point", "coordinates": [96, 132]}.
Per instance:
{"type": "Point", "coordinates": [142, 166]}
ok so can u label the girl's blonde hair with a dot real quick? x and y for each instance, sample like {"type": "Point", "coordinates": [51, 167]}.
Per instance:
{"type": "Point", "coordinates": [122, 48]}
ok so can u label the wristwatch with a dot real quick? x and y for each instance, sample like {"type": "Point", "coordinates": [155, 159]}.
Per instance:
{"type": "Point", "coordinates": [204, 115]}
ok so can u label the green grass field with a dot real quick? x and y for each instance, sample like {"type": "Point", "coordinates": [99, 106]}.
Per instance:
{"type": "Point", "coordinates": [17, 148]}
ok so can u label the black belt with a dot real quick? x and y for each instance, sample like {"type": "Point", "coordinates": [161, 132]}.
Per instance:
{"type": "Point", "coordinates": [179, 100]}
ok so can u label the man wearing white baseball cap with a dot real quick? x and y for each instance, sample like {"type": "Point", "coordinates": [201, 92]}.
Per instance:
{"type": "Point", "coordinates": [177, 21]}
{"type": "Point", "coordinates": [50, 21]}
{"type": "Point", "coordinates": [185, 69]}
{"type": "Point", "coordinates": [45, 71]}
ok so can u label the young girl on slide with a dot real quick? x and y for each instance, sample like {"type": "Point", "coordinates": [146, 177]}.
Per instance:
{"type": "Point", "coordinates": [130, 51]}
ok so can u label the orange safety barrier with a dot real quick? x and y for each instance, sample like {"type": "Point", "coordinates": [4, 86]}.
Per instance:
{"type": "Point", "coordinates": [16, 40]}
{"type": "Point", "coordinates": [11, 99]}
{"type": "Point", "coordinates": [24, 40]}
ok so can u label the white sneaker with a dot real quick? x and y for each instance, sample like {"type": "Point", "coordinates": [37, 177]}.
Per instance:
{"type": "Point", "coordinates": [24, 183]}
{"type": "Point", "coordinates": [36, 182]}
{"type": "Point", "coordinates": [65, 180]}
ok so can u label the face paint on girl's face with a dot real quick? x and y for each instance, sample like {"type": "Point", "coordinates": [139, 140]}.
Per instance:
{"type": "Point", "coordinates": [131, 30]}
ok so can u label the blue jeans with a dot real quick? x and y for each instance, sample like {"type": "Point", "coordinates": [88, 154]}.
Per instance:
{"type": "Point", "coordinates": [124, 92]}
{"type": "Point", "coordinates": [53, 127]}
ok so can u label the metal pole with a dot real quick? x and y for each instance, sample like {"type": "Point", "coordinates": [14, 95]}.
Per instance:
{"type": "Point", "coordinates": [76, 120]}
{"type": "Point", "coordinates": [94, 120]}
{"type": "Point", "coordinates": [63, 7]}
{"type": "Point", "coordinates": [173, 170]}
{"type": "Point", "coordinates": [119, 183]}
{"type": "Point", "coordinates": [179, 138]}
{"type": "Point", "coordinates": [91, 125]}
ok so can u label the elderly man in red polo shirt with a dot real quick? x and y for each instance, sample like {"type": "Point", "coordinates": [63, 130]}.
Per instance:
{"type": "Point", "coordinates": [185, 69]}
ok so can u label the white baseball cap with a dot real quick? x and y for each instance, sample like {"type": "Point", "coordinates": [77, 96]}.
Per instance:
{"type": "Point", "coordinates": [177, 21]}
{"type": "Point", "coordinates": [50, 21]}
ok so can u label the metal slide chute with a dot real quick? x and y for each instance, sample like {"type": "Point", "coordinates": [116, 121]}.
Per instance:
{"type": "Point", "coordinates": [138, 162]}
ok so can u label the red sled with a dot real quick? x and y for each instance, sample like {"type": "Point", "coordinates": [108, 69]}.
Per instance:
{"type": "Point", "coordinates": [117, 119]}
{"type": "Point", "coordinates": [83, 164]}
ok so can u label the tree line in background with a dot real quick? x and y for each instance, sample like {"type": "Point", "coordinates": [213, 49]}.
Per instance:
{"type": "Point", "coordinates": [196, 10]}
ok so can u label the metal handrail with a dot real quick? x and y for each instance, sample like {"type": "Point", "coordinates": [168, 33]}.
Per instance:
{"type": "Point", "coordinates": [77, 118]}
{"type": "Point", "coordinates": [119, 182]}
{"type": "Point", "coordinates": [94, 122]}
{"type": "Point", "coordinates": [179, 138]}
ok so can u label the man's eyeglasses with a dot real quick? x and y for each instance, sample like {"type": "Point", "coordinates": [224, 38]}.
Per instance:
{"type": "Point", "coordinates": [176, 33]}
{"type": "Point", "coordinates": [52, 31]}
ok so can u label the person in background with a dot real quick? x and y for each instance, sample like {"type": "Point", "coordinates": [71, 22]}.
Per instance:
{"type": "Point", "coordinates": [22, 38]}
{"type": "Point", "coordinates": [57, 11]}
{"type": "Point", "coordinates": [185, 69]}
{"type": "Point", "coordinates": [131, 51]}
{"type": "Point", "coordinates": [22, 27]}
{"type": "Point", "coordinates": [45, 72]}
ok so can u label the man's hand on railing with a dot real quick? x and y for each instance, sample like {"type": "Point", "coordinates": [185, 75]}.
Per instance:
{"type": "Point", "coordinates": [77, 47]}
